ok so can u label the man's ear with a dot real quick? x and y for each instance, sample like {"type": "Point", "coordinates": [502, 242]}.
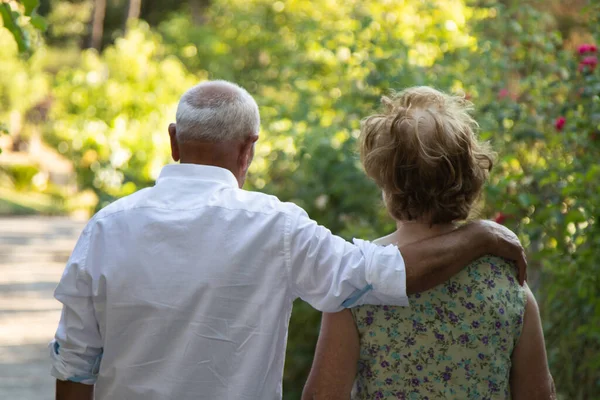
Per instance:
{"type": "Point", "coordinates": [174, 143]}
{"type": "Point", "coordinates": [247, 153]}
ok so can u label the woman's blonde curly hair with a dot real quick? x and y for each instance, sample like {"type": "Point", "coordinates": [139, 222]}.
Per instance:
{"type": "Point", "coordinates": [423, 152]}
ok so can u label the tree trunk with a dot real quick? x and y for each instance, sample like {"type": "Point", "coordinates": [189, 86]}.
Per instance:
{"type": "Point", "coordinates": [133, 11]}
{"type": "Point", "coordinates": [198, 10]}
{"type": "Point", "coordinates": [97, 22]}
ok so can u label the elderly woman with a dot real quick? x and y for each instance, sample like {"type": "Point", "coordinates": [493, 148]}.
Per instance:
{"type": "Point", "coordinates": [477, 336]}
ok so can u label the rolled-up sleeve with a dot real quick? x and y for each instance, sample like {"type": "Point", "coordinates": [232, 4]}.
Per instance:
{"type": "Point", "coordinates": [331, 274]}
{"type": "Point", "coordinates": [76, 350]}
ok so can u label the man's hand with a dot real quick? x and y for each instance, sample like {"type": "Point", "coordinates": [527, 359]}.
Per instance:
{"type": "Point", "coordinates": [66, 390]}
{"type": "Point", "coordinates": [504, 243]}
{"type": "Point", "coordinates": [433, 261]}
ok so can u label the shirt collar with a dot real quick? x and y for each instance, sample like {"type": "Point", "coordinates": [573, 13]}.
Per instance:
{"type": "Point", "coordinates": [200, 172]}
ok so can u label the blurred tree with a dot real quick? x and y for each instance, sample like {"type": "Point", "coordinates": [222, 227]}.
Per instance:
{"type": "Point", "coordinates": [112, 110]}
{"type": "Point", "coordinates": [69, 23]}
{"type": "Point", "coordinates": [133, 11]}
{"type": "Point", "coordinates": [97, 24]}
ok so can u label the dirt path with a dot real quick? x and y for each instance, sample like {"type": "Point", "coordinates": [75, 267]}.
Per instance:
{"type": "Point", "coordinates": [33, 252]}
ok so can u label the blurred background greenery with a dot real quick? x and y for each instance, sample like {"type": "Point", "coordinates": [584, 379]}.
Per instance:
{"type": "Point", "coordinates": [88, 87]}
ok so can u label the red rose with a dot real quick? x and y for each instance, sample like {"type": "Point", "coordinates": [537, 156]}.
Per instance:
{"type": "Point", "coordinates": [500, 218]}
{"type": "Point", "coordinates": [560, 123]}
{"type": "Point", "coordinates": [587, 48]}
{"type": "Point", "coordinates": [502, 93]}
{"type": "Point", "coordinates": [584, 48]}
{"type": "Point", "coordinates": [592, 61]}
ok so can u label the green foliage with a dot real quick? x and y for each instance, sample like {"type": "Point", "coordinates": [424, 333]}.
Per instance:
{"type": "Point", "coordinates": [546, 180]}
{"type": "Point", "coordinates": [68, 22]}
{"type": "Point", "coordinates": [112, 110]}
{"type": "Point", "coordinates": [316, 69]}
{"type": "Point", "coordinates": [21, 20]}
{"type": "Point", "coordinates": [3, 131]}
{"type": "Point", "coordinates": [22, 175]}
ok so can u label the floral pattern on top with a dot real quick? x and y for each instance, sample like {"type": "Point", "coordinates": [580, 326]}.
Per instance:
{"type": "Point", "coordinates": [454, 341]}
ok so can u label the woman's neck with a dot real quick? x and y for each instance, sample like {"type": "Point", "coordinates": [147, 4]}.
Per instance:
{"type": "Point", "coordinates": [415, 231]}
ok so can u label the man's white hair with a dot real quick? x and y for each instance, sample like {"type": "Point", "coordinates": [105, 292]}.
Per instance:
{"type": "Point", "coordinates": [216, 111]}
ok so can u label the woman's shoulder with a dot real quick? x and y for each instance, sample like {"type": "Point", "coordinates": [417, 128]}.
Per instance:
{"type": "Point", "coordinates": [496, 267]}
{"type": "Point", "coordinates": [385, 240]}
{"type": "Point", "coordinates": [495, 260]}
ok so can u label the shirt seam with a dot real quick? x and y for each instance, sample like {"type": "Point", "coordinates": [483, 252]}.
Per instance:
{"type": "Point", "coordinates": [98, 218]}
{"type": "Point", "coordinates": [287, 251]}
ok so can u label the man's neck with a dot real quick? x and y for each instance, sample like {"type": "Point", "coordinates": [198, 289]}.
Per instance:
{"type": "Point", "coordinates": [223, 155]}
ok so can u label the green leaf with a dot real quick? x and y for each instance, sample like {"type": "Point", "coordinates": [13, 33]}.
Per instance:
{"type": "Point", "coordinates": [10, 22]}
{"type": "Point", "coordinates": [575, 216]}
{"type": "Point", "coordinates": [30, 6]}
{"type": "Point", "coordinates": [524, 199]}
{"type": "Point", "coordinates": [39, 22]}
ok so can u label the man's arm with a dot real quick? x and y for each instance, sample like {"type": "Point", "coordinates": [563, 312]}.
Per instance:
{"type": "Point", "coordinates": [433, 261]}
{"type": "Point", "coordinates": [76, 350]}
{"type": "Point", "coordinates": [66, 390]}
{"type": "Point", "coordinates": [331, 274]}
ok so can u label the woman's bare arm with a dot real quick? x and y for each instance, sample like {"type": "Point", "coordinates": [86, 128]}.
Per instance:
{"type": "Point", "coordinates": [530, 378]}
{"type": "Point", "coordinates": [336, 358]}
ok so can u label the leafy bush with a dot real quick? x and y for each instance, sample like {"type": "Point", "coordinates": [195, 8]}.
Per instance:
{"type": "Point", "coordinates": [21, 175]}
{"type": "Point", "coordinates": [111, 112]}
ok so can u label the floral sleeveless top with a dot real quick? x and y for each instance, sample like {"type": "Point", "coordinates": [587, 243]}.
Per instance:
{"type": "Point", "coordinates": [454, 341]}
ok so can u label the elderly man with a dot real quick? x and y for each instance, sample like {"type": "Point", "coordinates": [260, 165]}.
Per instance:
{"type": "Point", "coordinates": [185, 290]}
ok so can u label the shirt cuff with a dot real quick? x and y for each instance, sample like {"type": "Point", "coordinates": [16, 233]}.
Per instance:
{"type": "Point", "coordinates": [385, 273]}
{"type": "Point", "coordinates": [64, 371]}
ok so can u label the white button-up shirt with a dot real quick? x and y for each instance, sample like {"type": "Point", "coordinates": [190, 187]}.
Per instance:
{"type": "Point", "coordinates": [185, 290]}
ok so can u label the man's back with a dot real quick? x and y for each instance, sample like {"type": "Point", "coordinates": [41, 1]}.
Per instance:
{"type": "Point", "coordinates": [190, 291]}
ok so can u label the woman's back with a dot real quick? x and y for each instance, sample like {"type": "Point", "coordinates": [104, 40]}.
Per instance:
{"type": "Point", "coordinates": [454, 341]}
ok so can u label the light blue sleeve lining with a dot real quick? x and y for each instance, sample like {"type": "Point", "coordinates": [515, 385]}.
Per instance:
{"type": "Point", "coordinates": [350, 301]}
{"type": "Point", "coordinates": [88, 379]}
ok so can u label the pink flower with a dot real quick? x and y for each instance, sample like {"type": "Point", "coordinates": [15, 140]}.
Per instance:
{"type": "Point", "coordinates": [587, 48]}
{"type": "Point", "coordinates": [500, 218]}
{"type": "Point", "coordinates": [503, 93]}
{"type": "Point", "coordinates": [589, 61]}
{"type": "Point", "coordinates": [592, 61]}
{"type": "Point", "coordinates": [560, 123]}
{"type": "Point", "coordinates": [584, 48]}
